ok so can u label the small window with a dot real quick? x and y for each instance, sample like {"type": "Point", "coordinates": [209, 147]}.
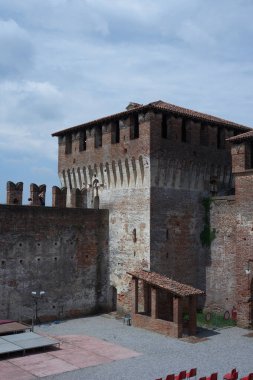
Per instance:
{"type": "Point", "coordinates": [204, 134]}
{"type": "Point", "coordinates": [98, 137]}
{"type": "Point", "coordinates": [220, 138]}
{"type": "Point", "coordinates": [183, 131]}
{"type": "Point", "coordinates": [115, 132]}
{"type": "Point", "coordinates": [134, 127]}
{"type": "Point", "coordinates": [251, 154]}
{"type": "Point", "coordinates": [164, 126]}
{"type": "Point", "coordinates": [82, 141]}
{"type": "Point", "coordinates": [68, 146]}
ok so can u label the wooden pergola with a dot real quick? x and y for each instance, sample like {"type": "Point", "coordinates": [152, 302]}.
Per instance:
{"type": "Point", "coordinates": [163, 302]}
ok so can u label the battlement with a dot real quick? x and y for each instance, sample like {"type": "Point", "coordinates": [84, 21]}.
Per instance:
{"type": "Point", "coordinates": [120, 137]}
{"type": "Point", "coordinates": [144, 147]}
{"type": "Point", "coordinates": [14, 196]}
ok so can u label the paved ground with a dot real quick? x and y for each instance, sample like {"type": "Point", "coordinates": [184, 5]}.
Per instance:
{"type": "Point", "coordinates": [112, 350]}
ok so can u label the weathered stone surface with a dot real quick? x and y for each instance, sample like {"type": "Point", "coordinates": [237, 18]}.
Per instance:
{"type": "Point", "coordinates": [63, 252]}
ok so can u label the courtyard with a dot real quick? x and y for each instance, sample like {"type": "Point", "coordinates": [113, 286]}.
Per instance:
{"type": "Point", "coordinates": [103, 347]}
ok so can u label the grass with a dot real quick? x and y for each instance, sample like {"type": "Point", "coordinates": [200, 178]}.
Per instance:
{"type": "Point", "coordinates": [215, 321]}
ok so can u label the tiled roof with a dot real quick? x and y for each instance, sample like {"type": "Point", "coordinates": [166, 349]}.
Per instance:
{"type": "Point", "coordinates": [163, 282]}
{"type": "Point", "coordinates": [155, 106]}
{"type": "Point", "coordinates": [242, 136]}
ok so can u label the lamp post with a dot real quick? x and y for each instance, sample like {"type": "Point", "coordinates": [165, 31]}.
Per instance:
{"type": "Point", "coordinates": [36, 295]}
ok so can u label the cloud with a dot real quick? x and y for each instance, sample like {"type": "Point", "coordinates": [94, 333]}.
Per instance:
{"type": "Point", "coordinates": [16, 48]}
{"type": "Point", "coordinates": [29, 102]}
{"type": "Point", "coordinates": [65, 62]}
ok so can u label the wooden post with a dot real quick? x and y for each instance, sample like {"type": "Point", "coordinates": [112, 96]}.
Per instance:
{"type": "Point", "coordinates": [178, 315]}
{"type": "Point", "coordinates": [154, 303]}
{"type": "Point", "coordinates": [135, 295]}
{"type": "Point", "coordinates": [146, 289]}
{"type": "Point", "coordinates": [192, 315]}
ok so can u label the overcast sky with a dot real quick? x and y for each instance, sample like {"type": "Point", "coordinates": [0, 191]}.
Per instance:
{"type": "Point", "coordinates": [64, 62]}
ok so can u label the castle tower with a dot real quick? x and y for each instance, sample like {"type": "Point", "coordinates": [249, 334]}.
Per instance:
{"type": "Point", "coordinates": [242, 167]}
{"type": "Point", "coordinates": [151, 166]}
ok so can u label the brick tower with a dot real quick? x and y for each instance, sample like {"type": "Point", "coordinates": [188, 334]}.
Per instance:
{"type": "Point", "coordinates": [151, 166]}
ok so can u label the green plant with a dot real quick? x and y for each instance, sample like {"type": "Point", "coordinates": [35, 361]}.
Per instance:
{"type": "Point", "coordinates": [214, 320]}
{"type": "Point", "coordinates": [208, 234]}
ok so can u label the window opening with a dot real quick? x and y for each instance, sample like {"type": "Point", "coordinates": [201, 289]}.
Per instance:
{"type": "Point", "coordinates": [204, 135]}
{"type": "Point", "coordinates": [98, 137]}
{"type": "Point", "coordinates": [68, 146]}
{"type": "Point", "coordinates": [183, 135]}
{"type": "Point", "coordinates": [164, 126]}
{"type": "Point", "coordinates": [82, 141]}
{"type": "Point", "coordinates": [134, 127]}
{"type": "Point", "coordinates": [115, 132]}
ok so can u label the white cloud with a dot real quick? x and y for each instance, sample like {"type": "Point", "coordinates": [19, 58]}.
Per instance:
{"type": "Point", "coordinates": [16, 49]}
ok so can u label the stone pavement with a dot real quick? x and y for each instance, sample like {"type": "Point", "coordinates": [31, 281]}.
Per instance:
{"type": "Point", "coordinates": [102, 347]}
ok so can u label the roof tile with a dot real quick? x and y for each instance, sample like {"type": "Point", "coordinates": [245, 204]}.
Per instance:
{"type": "Point", "coordinates": [155, 106]}
{"type": "Point", "coordinates": [163, 282]}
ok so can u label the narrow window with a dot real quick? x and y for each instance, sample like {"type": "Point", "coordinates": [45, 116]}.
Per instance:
{"type": "Point", "coordinates": [204, 134]}
{"type": "Point", "coordinates": [164, 126]}
{"type": "Point", "coordinates": [98, 137]}
{"type": "Point", "coordinates": [167, 234]}
{"type": "Point", "coordinates": [220, 138]}
{"type": "Point", "coordinates": [183, 131]}
{"type": "Point", "coordinates": [68, 145]}
{"type": "Point", "coordinates": [134, 235]}
{"type": "Point", "coordinates": [251, 154]}
{"type": "Point", "coordinates": [82, 141]}
{"type": "Point", "coordinates": [134, 127]}
{"type": "Point", "coordinates": [115, 132]}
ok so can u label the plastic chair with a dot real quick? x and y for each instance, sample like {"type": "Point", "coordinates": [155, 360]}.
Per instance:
{"type": "Point", "coordinates": [229, 375]}
{"type": "Point", "coordinates": [202, 378]}
{"type": "Point", "coordinates": [249, 377]}
{"type": "Point", "coordinates": [170, 377]}
{"type": "Point", "coordinates": [214, 376]}
{"type": "Point", "coordinates": [160, 378]}
{"type": "Point", "coordinates": [181, 375]}
{"type": "Point", "coordinates": [191, 373]}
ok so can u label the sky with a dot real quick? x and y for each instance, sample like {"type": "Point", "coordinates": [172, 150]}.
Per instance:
{"type": "Point", "coordinates": [66, 62]}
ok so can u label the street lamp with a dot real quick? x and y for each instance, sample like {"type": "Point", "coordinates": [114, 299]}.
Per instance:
{"type": "Point", "coordinates": [36, 295]}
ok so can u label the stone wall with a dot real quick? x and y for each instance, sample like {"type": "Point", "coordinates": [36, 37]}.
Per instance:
{"type": "Point", "coordinates": [221, 268]}
{"type": "Point", "coordinates": [230, 270]}
{"type": "Point", "coordinates": [119, 173]}
{"type": "Point", "coordinates": [63, 252]}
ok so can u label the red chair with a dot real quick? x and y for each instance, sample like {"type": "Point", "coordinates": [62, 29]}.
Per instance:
{"type": "Point", "coordinates": [170, 377]}
{"type": "Point", "coordinates": [181, 376]}
{"type": "Point", "coordinates": [229, 375]}
{"type": "Point", "coordinates": [214, 376]}
{"type": "Point", "coordinates": [249, 377]}
{"type": "Point", "coordinates": [160, 378]}
{"type": "Point", "coordinates": [202, 378]}
{"type": "Point", "coordinates": [191, 373]}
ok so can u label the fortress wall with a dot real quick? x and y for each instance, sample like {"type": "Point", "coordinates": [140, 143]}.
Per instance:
{"type": "Point", "coordinates": [221, 283]}
{"type": "Point", "coordinates": [176, 224]}
{"type": "Point", "coordinates": [129, 230]}
{"type": "Point", "coordinates": [63, 252]}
